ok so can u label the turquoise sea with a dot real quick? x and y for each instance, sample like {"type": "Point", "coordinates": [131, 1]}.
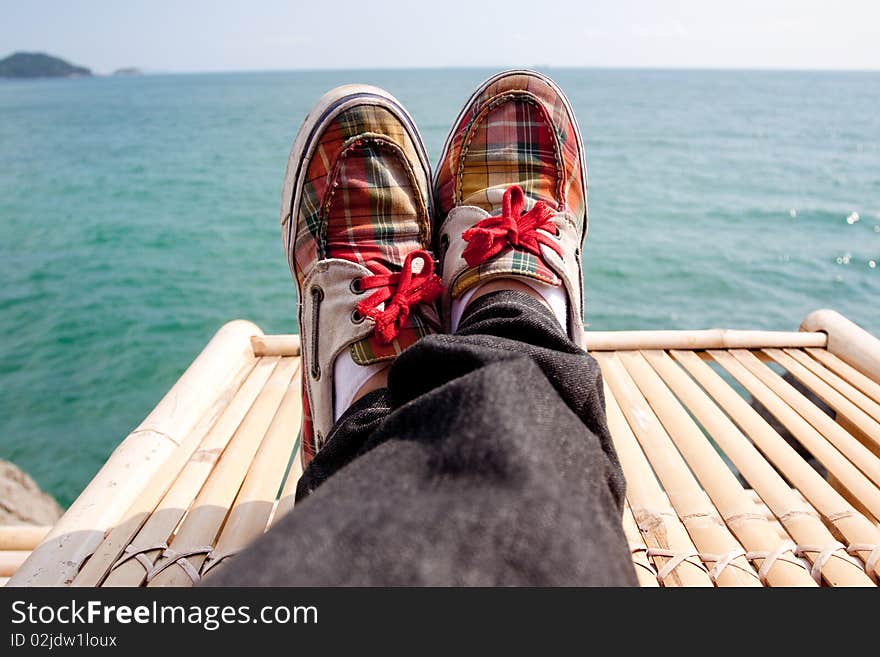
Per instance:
{"type": "Point", "coordinates": [137, 215]}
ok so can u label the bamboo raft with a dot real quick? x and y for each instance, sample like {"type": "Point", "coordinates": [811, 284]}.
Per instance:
{"type": "Point", "coordinates": [16, 544]}
{"type": "Point", "coordinates": [717, 496]}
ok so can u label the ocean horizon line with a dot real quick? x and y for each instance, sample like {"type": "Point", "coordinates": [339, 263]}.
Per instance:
{"type": "Point", "coordinates": [546, 67]}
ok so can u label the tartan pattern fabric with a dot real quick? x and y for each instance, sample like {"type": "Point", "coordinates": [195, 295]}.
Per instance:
{"type": "Point", "coordinates": [516, 132]}
{"type": "Point", "coordinates": [371, 350]}
{"type": "Point", "coordinates": [378, 197]}
{"type": "Point", "coordinates": [363, 199]}
{"type": "Point", "coordinates": [511, 262]}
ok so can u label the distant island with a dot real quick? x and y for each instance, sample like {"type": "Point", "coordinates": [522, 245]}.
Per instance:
{"type": "Point", "coordinates": [39, 65]}
{"type": "Point", "coordinates": [128, 70]}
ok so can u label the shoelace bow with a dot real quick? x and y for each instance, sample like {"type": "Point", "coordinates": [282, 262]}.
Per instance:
{"type": "Point", "coordinates": [399, 291]}
{"type": "Point", "coordinates": [514, 227]}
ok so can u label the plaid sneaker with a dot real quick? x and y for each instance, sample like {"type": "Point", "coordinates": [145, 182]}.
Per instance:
{"type": "Point", "coordinates": [356, 226]}
{"type": "Point", "coordinates": [511, 188]}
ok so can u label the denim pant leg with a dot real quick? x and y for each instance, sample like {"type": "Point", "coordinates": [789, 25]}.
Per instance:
{"type": "Point", "coordinates": [487, 461]}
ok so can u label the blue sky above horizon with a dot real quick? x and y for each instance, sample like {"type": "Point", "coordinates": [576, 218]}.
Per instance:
{"type": "Point", "coordinates": [223, 35]}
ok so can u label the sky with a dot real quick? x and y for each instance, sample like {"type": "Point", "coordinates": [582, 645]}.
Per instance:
{"type": "Point", "coordinates": [223, 35]}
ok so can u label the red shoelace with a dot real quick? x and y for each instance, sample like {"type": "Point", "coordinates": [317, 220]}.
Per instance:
{"type": "Point", "coordinates": [399, 291]}
{"type": "Point", "coordinates": [513, 227]}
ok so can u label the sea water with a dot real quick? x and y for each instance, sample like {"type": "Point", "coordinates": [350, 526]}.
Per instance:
{"type": "Point", "coordinates": [138, 214]}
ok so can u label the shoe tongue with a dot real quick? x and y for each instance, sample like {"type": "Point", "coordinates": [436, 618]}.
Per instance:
{"type": "Point", "coordinates": [490, 198]}
{"type": "Point", "coordinates": [370, 350]}
{"type": "Point", "coordinates": [494, 196]}
{"type": "Point", "coordinates": [380, 266]}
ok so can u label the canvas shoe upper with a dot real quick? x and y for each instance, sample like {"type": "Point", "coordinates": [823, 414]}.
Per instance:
{"type": "Point", "coordinates": [356, 226]}
{"type": "Point", "coordinates": [511, 191]}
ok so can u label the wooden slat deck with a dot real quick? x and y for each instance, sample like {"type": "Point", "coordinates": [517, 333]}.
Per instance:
{"type": "Point", "coordinates": [16, 544]}
{"type": "Point", "coordinates": [716, 496]}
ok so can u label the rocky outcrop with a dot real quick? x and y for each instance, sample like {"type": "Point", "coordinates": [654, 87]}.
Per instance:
{"type": "Point", "coordinates": [21, 500]}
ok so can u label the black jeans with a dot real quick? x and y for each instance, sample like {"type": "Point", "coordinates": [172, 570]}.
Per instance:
{"type": "Point", "coordinates": [486, 461]}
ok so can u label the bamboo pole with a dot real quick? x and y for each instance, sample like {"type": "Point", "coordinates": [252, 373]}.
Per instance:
{"type": "Point", "coordinates": [839, 384]}
{"type": "Point", "coordinates": [288, 493]}
{"type": "Point", "coordinates": [11, 560]}
{"type": "Point", "coordinates": [827, 501]}
{"type": "Point", "coordinates": [249, 516]}
{"type": "Point", "coordinates": [645, 573]}
{"type": "Point", "coordinates": [727, 494]}
{"type": "Point", "coordinates": [198, 393]}
{"type": "Point", "coordinates": [699, 516]}
{"type": "Point", "coordinates": [276, 345]}
{"type": "Point", "coordinates": [658, 523]}
{"type": "Point", "coordinates": [853, 479]}
{"type": "Point", "coordinates": [757, 498]}
{"type": "Point", "coordinates": [119, 537]}
{"type": "Point", "coordinates": [22, 537]}
{"type": "Point", "coordinates": [798, 519]}
{"type": "Point", "coordinates": [699, 339]}
{"type": "Point", "coordinates": [845, 442]}
{"type": "Point", "coordinates": [846, 340]}
{"type": "Point", "coordinates": [765, 511]}
{"type": "Point", "coordinates": [199, 529]}
{"type": "Point", "coordinates": [153, 517]}
{"type": "Point", "coordinates": [847, 372]}
{"type": "Point", "coordinates": [845, 408]}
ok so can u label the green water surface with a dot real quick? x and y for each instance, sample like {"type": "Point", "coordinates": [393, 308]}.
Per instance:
{"type": "Point", "coordinates": [137, 215]}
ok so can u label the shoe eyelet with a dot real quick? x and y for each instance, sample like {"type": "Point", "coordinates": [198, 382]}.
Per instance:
{"type": "Point", "coordinates": [317, 293]}
{"type": "Point", "coordinates": [357, 317]}
{"type": "Point", "coordinates": [316, 372]}
{"type": "Point", "coordinates": [355, 286]}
